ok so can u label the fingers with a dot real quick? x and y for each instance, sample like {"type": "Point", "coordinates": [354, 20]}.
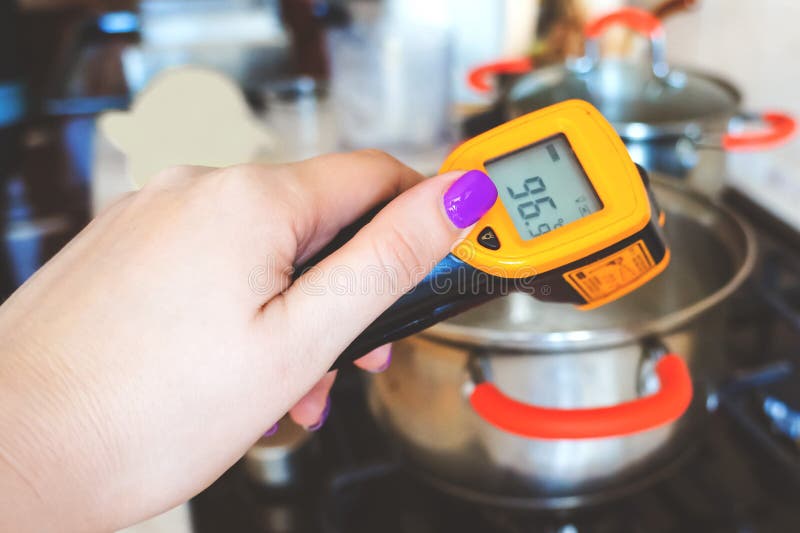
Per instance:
{"type": "Point", "coordinates": [378, 360]}
{"type": "Point", "coordinates": [335, 190]}
{"type": "Point", "coordinates": [312, 410]}
{"type": "Point", "coordinates": [384, 260]}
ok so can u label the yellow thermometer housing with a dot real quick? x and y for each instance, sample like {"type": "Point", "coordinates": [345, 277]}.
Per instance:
{"type": "Point", "coordinates": [575, 222]}
{"type": "Point", "coordinates": [593, 242]}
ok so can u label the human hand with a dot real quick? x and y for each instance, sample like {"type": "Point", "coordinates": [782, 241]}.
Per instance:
{"type": "Point", "coordinates": [140, 363]}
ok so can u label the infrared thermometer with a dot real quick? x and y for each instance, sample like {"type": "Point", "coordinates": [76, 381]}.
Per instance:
{"type": "Point", "coordinates": [575, 222]}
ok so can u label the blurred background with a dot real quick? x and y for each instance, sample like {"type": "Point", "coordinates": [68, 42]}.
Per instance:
{"type": "Point", "coordinates": [319, 75]}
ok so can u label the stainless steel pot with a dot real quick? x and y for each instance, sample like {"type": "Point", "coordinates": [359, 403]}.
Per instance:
{"type": "Point", "coordinates": [583, 380]}
{"type": "Point", "coordinates": [675, 121]}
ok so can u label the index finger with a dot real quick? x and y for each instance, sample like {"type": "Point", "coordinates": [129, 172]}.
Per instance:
{"type": "Point", "coordinates": [332, 191]}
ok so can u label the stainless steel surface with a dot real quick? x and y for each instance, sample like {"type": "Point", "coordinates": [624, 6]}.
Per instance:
{"type": "Point", "coordinates": [279, 460]}
{"type": "Point", "coordinates": [642, 100]}
{"type": "Point", "coordinates": [712, 254]}
{"type": "Point", "coordinates": [658, 54]}
{"type": "Point", "coordinates": [556, 356]}
{"type": "Point", "coordinates": [638, 104]}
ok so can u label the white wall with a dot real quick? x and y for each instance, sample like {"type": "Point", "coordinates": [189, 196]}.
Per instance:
{"type": "Point", "coordinates": [753, 43]}
{"type": "Point", "coordinates": [756, 45]}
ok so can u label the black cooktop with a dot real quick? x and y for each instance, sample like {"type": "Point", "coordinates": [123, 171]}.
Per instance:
{"type": "Point", "coordinates": [728, 481]}
{"type": "Point", "coordinates": [741, 474]}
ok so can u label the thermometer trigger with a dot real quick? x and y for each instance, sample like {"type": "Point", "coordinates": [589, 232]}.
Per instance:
{"type": "Point", "coordinates": [488, 239]}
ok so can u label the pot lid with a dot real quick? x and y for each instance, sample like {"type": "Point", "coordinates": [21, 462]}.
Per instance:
{"type": "Point", "coordinates": [712, 254]}
{"type": "Point", "coordinates": [642, 100]}
{"type": "Point", "coordinates": [629, 93]}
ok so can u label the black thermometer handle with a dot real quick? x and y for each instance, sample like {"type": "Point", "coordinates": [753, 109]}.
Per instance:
{"type": "Point", "coordinates": [452, 287]}
{"type": "Point", "coordinates": [443, 293]}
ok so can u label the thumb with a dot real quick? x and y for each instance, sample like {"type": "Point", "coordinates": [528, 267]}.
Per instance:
{"type": "Point", "coordinates": [349, 289]}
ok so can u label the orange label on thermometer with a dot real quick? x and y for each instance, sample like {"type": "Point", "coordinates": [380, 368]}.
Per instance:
{"type": "Point", "coordinates": [616, 272]}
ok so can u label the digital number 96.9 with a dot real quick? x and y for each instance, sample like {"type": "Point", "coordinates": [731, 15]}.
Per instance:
{"type": "Point", "coordinates": [531, 200]}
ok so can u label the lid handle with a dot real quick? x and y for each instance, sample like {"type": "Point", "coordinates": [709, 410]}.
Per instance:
{"type": "Point", "coordinates": [650, 412]}
{"type": "Point", "coordinates": [639, 20]}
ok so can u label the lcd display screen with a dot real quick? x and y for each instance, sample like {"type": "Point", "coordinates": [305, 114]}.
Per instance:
{"type": "Point", "coordinates": [543, 186]}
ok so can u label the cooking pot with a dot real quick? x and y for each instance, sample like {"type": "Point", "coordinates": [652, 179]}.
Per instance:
{"type": "Point", "coordinates": [525, 404]}
{"type": "Point", "coordinates": [675, 121]}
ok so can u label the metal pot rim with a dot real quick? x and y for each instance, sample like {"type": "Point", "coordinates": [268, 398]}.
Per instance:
{"type": "Point", "coordinates": [639, 130]}
{"type": "Point", "coordinates": [586, 339]}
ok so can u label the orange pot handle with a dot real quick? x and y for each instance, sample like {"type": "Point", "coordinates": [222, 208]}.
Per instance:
{"type": "Point", "coordinates": [650, 412]}
{"type": "Point", "coordinates": [636, 19]}
{"type": "Point", "coordinates": [780, 127]}
{"type": "Point", "coordinates": [478, 78]}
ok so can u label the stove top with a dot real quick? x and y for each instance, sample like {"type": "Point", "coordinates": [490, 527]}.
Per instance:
{"type": "Point", "coordinates": [742, 473]}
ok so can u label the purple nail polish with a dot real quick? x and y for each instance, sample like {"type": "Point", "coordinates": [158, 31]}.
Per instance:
{"type": "Point", "coordinates": [323, 417]}
{"type": "Point", "coordinates": [385, 366]}
{"type": "Point", "coordinates": [271, 431]}
{"type": "Point", "coordinates": [469, 198]}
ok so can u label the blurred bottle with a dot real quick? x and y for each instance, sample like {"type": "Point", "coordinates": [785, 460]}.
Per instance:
{"type": "Point", "coordinates": [390, 82]}
{"type": "Point", "coordinates": [299, 114]}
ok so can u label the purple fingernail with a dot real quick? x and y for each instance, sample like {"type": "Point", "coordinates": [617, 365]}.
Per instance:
{"type": "Point", "coordinates": [323, 417]}
{"type": "Point", "coordinates": [271, 431]}
{"type": "Point", "coordinates": [469, 198]}
{"type": "Point", "coordinates": [385, 366]}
